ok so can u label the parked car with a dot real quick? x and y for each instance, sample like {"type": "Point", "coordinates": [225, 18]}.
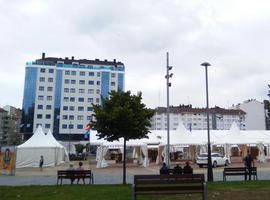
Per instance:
{"type": "Point", "coordinates": [217, 160]}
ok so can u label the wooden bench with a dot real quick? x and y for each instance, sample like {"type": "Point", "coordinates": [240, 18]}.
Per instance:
{"type": "Point", "coordinates": [167, 184]}
{"type": "Point", "coordinates": [75, 174]}
{"type": "Point", "coordinates": [239, 171]}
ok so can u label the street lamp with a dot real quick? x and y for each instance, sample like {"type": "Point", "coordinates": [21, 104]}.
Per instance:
{"type": "Point", "coordinates": [168, 85]}
{"type": "Point", "coordinates": [209, 166]}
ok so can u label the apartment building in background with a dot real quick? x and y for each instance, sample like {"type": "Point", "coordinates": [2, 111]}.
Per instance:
{"type": "Point", "coordinates": [10, 118]}
{"type": "Point", "coordinates": [256, 114]}
{"type": "Point", "coordinates": [196, 118]}
{"type": "Point", "coordinates": [59, 93]}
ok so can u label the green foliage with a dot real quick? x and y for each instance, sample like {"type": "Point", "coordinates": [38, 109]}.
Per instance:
{"type": "Point", "coordinates": [122, 116]}
{"type": "Point", "coordinates": [79, 148]}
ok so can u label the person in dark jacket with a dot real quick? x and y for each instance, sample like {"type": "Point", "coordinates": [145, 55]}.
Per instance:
{"type": "Point", "coordinates": [164, 169]}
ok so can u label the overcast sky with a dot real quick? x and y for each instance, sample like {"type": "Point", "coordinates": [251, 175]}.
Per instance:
{"type": "Point", "coordinates": [232, 35]}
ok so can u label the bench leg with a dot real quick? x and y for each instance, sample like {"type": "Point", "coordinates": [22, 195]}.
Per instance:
{"type": "Point", "coordinates": [133, 193]}
{"type": "Point", "coordinates": [205, 192]}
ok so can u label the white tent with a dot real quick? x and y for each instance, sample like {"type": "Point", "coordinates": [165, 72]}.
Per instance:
{"type": "Point", "coordinates": [28, 153]}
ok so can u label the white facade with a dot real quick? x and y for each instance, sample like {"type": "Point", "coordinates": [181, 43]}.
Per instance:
{"type": "Point", "coordinates": [255, 114]}
{"type": "Point", "coordinates": [193, 120]}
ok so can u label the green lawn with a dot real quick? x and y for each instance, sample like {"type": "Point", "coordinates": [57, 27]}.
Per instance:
{"type": "Point", "coordinates": [253, 190]}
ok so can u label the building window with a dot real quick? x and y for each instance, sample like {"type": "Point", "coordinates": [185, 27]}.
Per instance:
{"type": "Point", "coordinates": [113, 75]}
{"type": "Point", "coordinates": [98, 82]}
{"type": "Point", "coordinates": [47, 126]}
{"type": "Point", "coordinates": [50, 80]}
{"type": "Point", "coordinates": [66, 99]}
{"type": "Point", "coordinates": [73, 81]}
{"type": "Point", "coordinates": [67, 72]}
{"type": "Point", "coordinates": [49, 89]}
{"type": "Point", "coordinates": [81, 99]}
{"type": "Point", "coordinates": [64, 126]}
{"type": "Point", "coordinates": [73, 73]}
{"type": "Point", "coordinates": [112, 83]}
{"type": "Point", "coordinates": [97, 100]}
{"type": "Point", "coordinates": [51, 71]}
{"type": "Point", "coordinates": [72, 99]}
{"type": "Point", "coordinates": [80, 108]}
{"type": "Point", "coordinates": [91, 73]}
{"type": "Point", "coordinates": [71, 108]}
{"type": "Point", "coordinates": [72, 90]}
{"type": "Point", "coordinates": [49, 98]}
{"type": "Point", "coordinates": [65, 107]}
{"type": "Point", "coordinates": [98, 74]}
{"type": "Point", "coordinates": [90, 91]}
{"type": "Point", "coordinates": [79, 126]}
{"type": "Point", "coordinates": [40, 107]}
{"type": "Point", "coordinates": [64, 117]}
{"type": "Point", "coordinates": [37, 125]}
{"type": "Point", "coordinates": [40, 97]}
{"type": "Point", "coordinates": [71, 117]}
{"type": "Point", "coordinates": [80, 117]}
{"type": "Point", "coordinates": [90, 82]}
{"type": "Point", "coordinates": [90, 100]}
{"type": "Point", "coordinates": [98, 91]}
{"type": "Point", "coordinates": [41, 88]}
{"type": "Point", "coordinates": [89, 118]}
{"type": "Point", "coordinates": [71, 126]}
{"type": "Point", "coordinates": [81, 90]}
{"type": "Point", "coordinates": [48, 116]}
{"type": "Point", "coordinates": [89, 109]}
{"type": "Point", "coordinates": [66, 90]}
{"type": "Point", "coordinates": [48, 107]}
{"type": "Point", "coordinates": [82, 73]}
{"type": "Point", "coordinates": [41, 79]}
{"type": "Point", "coordinates": [66, 81]}
{"type": "Point", "coordinates": [39, 116]}
{"type": "Point", "coordinates": [42, 70]}
{"type": "Point", "coordinates": [82, 82]}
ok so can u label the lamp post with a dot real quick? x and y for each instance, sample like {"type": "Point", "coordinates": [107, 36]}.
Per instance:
{"type": "Point", "coordinates": [209, 166]}
{"type": "Point", "coordinates": [168, 84]}
{"type": "Point", "coordinates": [69, 127]}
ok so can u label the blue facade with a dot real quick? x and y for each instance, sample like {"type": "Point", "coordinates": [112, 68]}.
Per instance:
{"type": "Point", "coordinates": [120, 82]}
{"type": "Point", "coordinates": [105, 84]}
{"type": "Point", "coordinates": [57, 101]}
{"type": "Point", "coordinates": [29, 99]}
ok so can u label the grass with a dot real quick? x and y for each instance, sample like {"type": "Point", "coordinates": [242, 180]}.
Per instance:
{"type": "Point", "coordinates": [249, 190]}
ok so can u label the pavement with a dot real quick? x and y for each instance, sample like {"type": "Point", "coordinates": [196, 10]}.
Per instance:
{"type": "Point", "coordinates": [113, 174]}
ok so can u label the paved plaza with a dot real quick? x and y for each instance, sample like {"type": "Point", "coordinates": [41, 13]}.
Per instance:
{"type": "Point", "coordinates": [113, 174]}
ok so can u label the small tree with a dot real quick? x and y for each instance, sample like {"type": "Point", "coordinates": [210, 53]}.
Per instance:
{"type": "Point", "coordinates": [122, 116]}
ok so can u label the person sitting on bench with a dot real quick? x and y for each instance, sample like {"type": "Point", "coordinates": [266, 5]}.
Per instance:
{"type": "Point", "coordinates": [177, 169]}
{"type": "Point", "coordinates": [187, 169]}
{"type": "Point", "coordinates": [164, 169]}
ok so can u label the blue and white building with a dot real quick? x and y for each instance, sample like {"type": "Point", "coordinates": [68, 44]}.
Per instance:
{"type": "Point", "coordinates": [59, 93]}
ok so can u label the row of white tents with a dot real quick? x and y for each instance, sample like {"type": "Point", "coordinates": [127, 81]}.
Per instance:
{"type": "Point", "coordinates": [28, 154]}
{"type": "Point", "coordinates": [183, 137]}
{"type": "Point", "coordinates": [40, 144]}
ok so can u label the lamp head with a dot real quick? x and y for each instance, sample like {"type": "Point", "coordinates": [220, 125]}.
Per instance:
{"type": "Point", "coordinates": [205, 64]}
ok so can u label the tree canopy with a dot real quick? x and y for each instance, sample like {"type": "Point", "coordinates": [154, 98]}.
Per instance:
{"type": "Point", "coordinates": [122, 115]}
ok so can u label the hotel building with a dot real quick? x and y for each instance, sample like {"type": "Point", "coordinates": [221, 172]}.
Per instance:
{"type": "Point", "coordinates": [59, 93]}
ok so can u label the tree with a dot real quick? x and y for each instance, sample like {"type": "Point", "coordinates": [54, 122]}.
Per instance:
{"type": "Point", "coordinates": [122, 116]}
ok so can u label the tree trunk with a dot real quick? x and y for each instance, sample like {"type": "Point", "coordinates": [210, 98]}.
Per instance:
{"type": "Point", "coordinates": [124, 162]}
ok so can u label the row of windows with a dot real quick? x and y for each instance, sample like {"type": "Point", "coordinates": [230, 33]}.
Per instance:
{"type": "Point", "coordinates": [42, 88]}
{"type": "Point", "coordinates": [43, 70]}
{"type": "Point", "coordinates": [42, 79]}
{"type": "Point", "coordinates": [71, 126]}
{"type": "Point", "coordinates": [79, 108]}
{"type": "Point", "coordinates": [48, 98]}
{"type": "Point", "coordinates": [82, 73]}
{"type": "Point", "coordinates": [83, 82]}
{"type": "Point", "coordinates": [46, 125]}
{"type": "Point", "coordinates": [82, 91]}
{"type": "Point", "coordinates": [47, 116]}
{"type": "Point", "coordinates": [80, 99]}
{"type": "Point", "coordinates": [79, 117]}
{"type": "Point", "coordinates": [40, 107]}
